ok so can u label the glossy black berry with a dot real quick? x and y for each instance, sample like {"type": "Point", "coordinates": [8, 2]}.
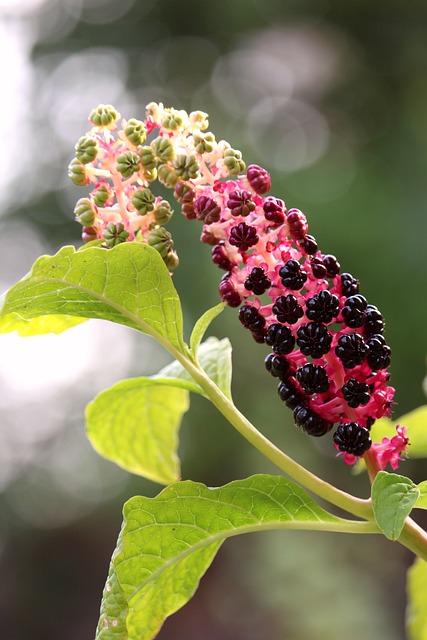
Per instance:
{"type": "Point", "coordinates": [259, 336]}
{"type": "Point", "coordinates": [332, 265]}
{"type": "Point", "coordinates": [351, 349]}
{"type": "Point", "coordinates": [322, 307]}
{"type": "Point", "coordinates": [313, 339]}
{"type": "Point", "coordinates": [310, 422]}
{"type": "Point", "coordinates": [257, 281]}
{"type": "Point", "coordinates": [349, 285]}
{"type": "Point", "coordinates": [287, 309]}
{"type": "Point", "coordinates": [293, 277]}
{"type": "Point", "coordinates": [355, 393]}
{"type": "Point", "coordinates": [352, 438]}
{"type": "Point", "coordinates": [309, 245]}
{"type": "Point", "coordinates": [277, 365]}
{"type": "Point", "coordinates": [313, 379]}
{"type": "Point", "coordinates": [354, 311]}
{"type": "Point", "coordinates": [251, 318]}
{"type": "Point", "coordinates": [243, 236]}
{"type": "Point", "coordinates": [374, 322]}
{"type": "Point", "coordinates": [318, 269]}
{"type": "Point", "coordinates": [289, 394]}
{"type": "Point", "coordinates": [379, 355]}
{"type": "Point", "coordinates": [280, 338]}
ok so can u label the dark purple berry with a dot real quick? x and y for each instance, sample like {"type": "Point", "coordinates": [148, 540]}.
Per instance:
{"type": "Point", "coordinates": [274, 210]}
{"type": "Point", "coordinates": [313, 379]}
{"type": "Point", "coordinates": [309, 245]}
{"type": "Point", "coordinates": [313, 339]}
{"type": "Point", "coordinates": [352, 438]}
{"type": "Point", "coordinates": [259, 179]}
{"type": "Point", "coordinates": [310, 422]}
{"type": "Point", "coordinates": [349, 285]}
{"type": "Point", "coordinates": [228, 293]}
{"type": "Point", "coordinates": [379, 355]}
{"type": "Point", "coordinates": [354, 311]}
{"type": "Point", "coordinates": [293, 277]}
{"type": "Point", "coordinates": [207, 209]}
{"type": "Point", "coordinates": [251, 318]}
{"type": "Point", "coordinates": [277, 365]}
{"type": "Point", "coordinates": [318, 269]}
{"type": "Point", "coordinates": [243, 236]}
{"type": "Point", "coordinates": [259, 336]}
{"type": "Point", "coordinates": [240, 202]}
{"type": "Point", "coordinates": [297, 222]}
{"type": "Point", "coordinates": [351, 349]}
{"type": "Point", "coordinates": [280, 338]}
{"type": "Point", "coordinates": [332, 265]}
{"type": "Point", "coordinates": [289, 394]}
{"type": "Point", "coordinates": [287, 309]}
{"type": "Point", "coordinates": [219, 257]}
{"type": "Point", "coordinates": [355, 393]}
{"type": "Point", "coordinates": [374, 322]}
{"type": "Point", "coordinates": [183, 193]}
{"type": "Point", "coordinates": [257, 281]}
{"type": "Point", "coordinates": [322, 307]}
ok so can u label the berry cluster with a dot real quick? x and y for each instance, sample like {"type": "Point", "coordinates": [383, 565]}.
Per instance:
{"type": "Point", "coordinates": [327, 346]}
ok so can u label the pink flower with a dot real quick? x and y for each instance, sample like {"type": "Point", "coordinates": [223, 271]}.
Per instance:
{"type": "Point", "coordinates": [391, 451]}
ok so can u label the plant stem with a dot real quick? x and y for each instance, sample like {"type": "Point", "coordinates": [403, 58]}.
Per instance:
{"type": "Point", "coordinates": [310, 481]}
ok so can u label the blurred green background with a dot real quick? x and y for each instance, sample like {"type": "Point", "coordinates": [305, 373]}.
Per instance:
{"type": "Point", "coordinates": [331, 97]}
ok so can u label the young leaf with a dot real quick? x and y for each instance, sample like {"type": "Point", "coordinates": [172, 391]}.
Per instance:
{"type": "Point", "coordinates": [168, 542]}
{"type": "Point", "coordinates": [416, 613]}
{"type": "Point", "coordinates": [393, 498]}
{"type": "Point", "coordinates": [215, 358]}
{"type": "Point", "coordinates": [416, 421]}
{"type": "Point", "coordinates": [421, 502]}
{"type": "Point", "coordinates": [135, 424]}
{"type": "Point", "coordinates": [202, 324]}
{"type": "Point", "coordinates": [128, 284]}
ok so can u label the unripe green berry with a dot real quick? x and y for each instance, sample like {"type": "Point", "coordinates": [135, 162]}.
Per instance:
{"type": "Point", "coordinates": [199, 118]}
{"type": "Point", "coordinates": [204, 142]}
{"type": "Point", "coordinates": [161, 240]}
{"type": "Point", "coordinates": [103, 115]}
{"type": "Point", "coordinates": [77, 173]}
{"type": "Point", "coordinates": [171, 120]}
{"type": "Point", "coordinates": [171, 260]}
{"type": "Point", "coordinates": [85, 212]}
{"type": "Point", "coordinates": [233, 161]}
{"type": "Point", "coordinates": [150, 174]}
{"type": "Point", "coordinates": [186, 167]}
{"type": "Point", "coordinates": [163, 212]}
{"type": "Point", "coordinates": [143, 201]}
{"type": "Point", "coordinates": [164, 149]}
{"type": "Point", "coordinates": [128, 163]}
{"type": "Point", "coordinates": [114, 234]}
{"type": "Point", "coordinates": [167, 175]}
{"type": "Point", "coordinates": [86, 149]}
{"type": "Point", "coordinates": [102, 194]}
{"type": "Point", "coordinates": [135, 131]}
{"type": "Point", "coordinates": [148, 158]}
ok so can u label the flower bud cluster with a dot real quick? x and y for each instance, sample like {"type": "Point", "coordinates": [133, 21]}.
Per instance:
{"type": "Point", "coordinates": [328, 351]}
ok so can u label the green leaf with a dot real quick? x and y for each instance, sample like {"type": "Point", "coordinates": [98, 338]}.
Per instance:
{"type": "Point", "coordinates": [202, 324]}
{"type": "Point", "coordinates": [128, 284]}
{"type": "Point", "coordinates": [416, 613]}
{"type": "Point", "coordinates": [393, 498]}
{"type": "Point", "coordinates": [37, 326]}
{"type": "Point", "coordinates": [421, 502]}
{"type": "Point", "coordinates": [135, 424]}
{"type": "Point", "coordinates": [168, 542]}
{"type": "Point", "coordinates": [215, 358]}
{"type": "Point", "coordinates": [416, 422]}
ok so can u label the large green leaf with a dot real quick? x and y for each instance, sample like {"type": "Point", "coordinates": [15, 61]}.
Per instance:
{"type": "Point", "coordinates": [128, 284]}
{"type": "Point", "coordinates": [393, 498]}
{"type": "Point", "coordinates": [135, 423]}
{"type": "Point", "coordinates": [168, 542]}
{"type": "Point", "coordinates": [215, 358]}
{"type": "Point", "coordinates": [416, 614]}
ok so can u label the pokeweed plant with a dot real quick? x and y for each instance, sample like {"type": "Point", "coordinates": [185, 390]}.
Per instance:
{"type": "Point", "coordinates": [328, 355]}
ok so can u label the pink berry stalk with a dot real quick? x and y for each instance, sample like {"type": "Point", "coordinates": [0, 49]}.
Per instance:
{"type": "Point", "coordinates": [328, 351]}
